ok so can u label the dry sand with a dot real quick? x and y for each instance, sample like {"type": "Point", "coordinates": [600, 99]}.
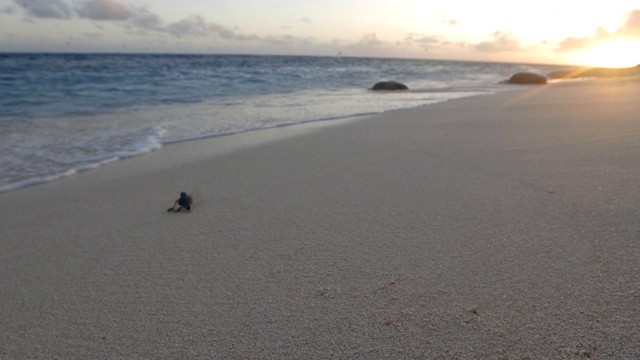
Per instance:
{"type": "Point", "coordinates": [497, 227]}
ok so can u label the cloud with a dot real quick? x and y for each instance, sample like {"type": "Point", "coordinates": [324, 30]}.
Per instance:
{"type": "Point", "coordinates": [102, 10]}
{"type": "Point", "coordinates": [630, 28]}
{"type": "Point", "coordinates": [222, 31]}
{"type": "Point", "coordinates": [573, 43]}
{"type": "Point", "coordinates": [7, 10]}
{"type": "Point", "coordinates": [93, 35]}
{"type": "Point", "coordinates": [130, 16]}
{"type": "Point", "coordinates": [370, 39]}
{"type": "Point", "coordinates": [105, 10]}
{"type": "Point", "coordinates": [53, 9]}
{"type": "Point", "coordinates": [194, 25]}
{"type": "Point", "coordinates": [368, 45]}
{"type": "Point", "coordinates": [450, 22]}
{"type": "Point", "coordinates": [423, 40]}
{"type": "Point", "coordinates": [289, 40]}
{"type": "Point", "coordinates": [244, 37]}
{"type": "Point", "coordinates": [197, 25]}
{"type": "Point", "coordinates": [146, 20]}
{"type": "Point", "coordinates": [290, 24]}
{"type": "Point", "coordinates": [227, 33]}
{"type": "Point", "coordinates": [504, 41]}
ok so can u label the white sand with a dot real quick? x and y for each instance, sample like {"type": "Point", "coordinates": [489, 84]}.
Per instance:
{"type": "Point", "coordinates": [499, 227]}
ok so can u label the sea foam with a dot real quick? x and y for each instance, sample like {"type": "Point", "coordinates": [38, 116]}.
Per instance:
{"type": "Point", "coordinates": [64, 114]}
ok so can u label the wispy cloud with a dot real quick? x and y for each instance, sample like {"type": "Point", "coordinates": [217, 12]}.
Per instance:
{"type": "Point", "coordinates": [195, 25]}
{"type": "Point", "coordinates": [106, 10]}
{"type": "Point", "coordinates": [134, 18]}
{"type": "Point", "coordinates": [146, 20]}
{"type": "Point", "coordinates": [574, 43]}
{"type": "Point", "coordinates": [52, 9]}
{"type": "Point", "coordinates": [291, 24]}
{"type": "Point", "coordinates": [422, 41]}
{"type": "Point", "coordinates": [7, 10]}
{"type": "Point", "coordinates": [503, 41]}
{"type": "Point", "coordinates": [289, 40]}
{"type": "Point", "coordinates": [223, 31]}
{"type": "Point", "coordinates": [630, 28]}
{"type": "Point", "coordinates": [370, 39]}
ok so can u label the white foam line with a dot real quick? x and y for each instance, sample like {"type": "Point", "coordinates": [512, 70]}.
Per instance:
{"type": "Point", "coordinates": [155, 144]}
{"type": "Point", "coordinates": [273, 126]}
{"type": "Point", "coordinates": [79, 169]}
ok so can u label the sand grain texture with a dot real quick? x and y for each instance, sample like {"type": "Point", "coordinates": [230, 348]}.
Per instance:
{"type": "Point", "coordinates": [498, 227]}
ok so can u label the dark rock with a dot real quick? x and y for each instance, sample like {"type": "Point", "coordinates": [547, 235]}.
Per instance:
{"type": "Point", "coordinates": [389, 85]}
{"type": "Point", "coordinates": [527, 79]}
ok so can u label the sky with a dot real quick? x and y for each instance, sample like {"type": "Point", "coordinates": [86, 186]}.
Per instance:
{"type": "Point", "coordinates": [592, 33]}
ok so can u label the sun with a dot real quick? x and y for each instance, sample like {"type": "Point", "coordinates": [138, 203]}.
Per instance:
{"type": "Point", "coordinates": [616, 53]}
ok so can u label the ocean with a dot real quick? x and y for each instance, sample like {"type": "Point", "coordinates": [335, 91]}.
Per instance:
{"type": "Point", "coordinates": [61, 114]}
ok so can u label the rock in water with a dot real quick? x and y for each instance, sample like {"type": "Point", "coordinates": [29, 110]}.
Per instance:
{"type": "Point", "coordinates": [389, 85]}
{"type": "Point", "coordinates": [527, 79]}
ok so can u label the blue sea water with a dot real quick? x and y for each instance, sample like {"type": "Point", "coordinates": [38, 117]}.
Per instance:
{"type": "Point", "coordinates": [65, 113]}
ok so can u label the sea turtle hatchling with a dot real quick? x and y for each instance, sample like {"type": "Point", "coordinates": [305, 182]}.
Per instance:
{"type": "Point", "coordinates": [184, 202]}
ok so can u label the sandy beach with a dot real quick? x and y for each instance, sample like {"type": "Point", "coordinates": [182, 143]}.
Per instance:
{"type": "Point", "coordinates": [493, 227]}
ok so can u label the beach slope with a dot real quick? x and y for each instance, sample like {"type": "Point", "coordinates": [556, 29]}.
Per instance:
{"type": "Point", "coordinates": [495, 227]}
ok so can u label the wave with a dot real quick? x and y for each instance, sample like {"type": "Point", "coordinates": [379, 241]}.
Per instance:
{"type": "Point", "coordinates": [64, 114]}
{"type": "Point", "coordinates": [151, 143]}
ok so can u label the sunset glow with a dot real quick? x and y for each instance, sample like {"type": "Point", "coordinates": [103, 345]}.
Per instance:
{"type": "Point", "coordinates": [552, 32]}
{"type": "Point", "coordinates": [616, 53]}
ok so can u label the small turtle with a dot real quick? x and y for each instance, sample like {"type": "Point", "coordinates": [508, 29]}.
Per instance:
{"type": "Point", "coordinates": [184, 202]}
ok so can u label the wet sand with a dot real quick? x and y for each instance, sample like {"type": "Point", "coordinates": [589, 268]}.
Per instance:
{"type": "Point", "coordinates": [495, 227]}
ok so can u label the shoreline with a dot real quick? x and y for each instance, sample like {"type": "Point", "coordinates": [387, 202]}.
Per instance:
{"type": "Point", "coordinates": [136, 111]}
{"type": "Point", "coordinates": [248, 142]}
{"type": "Point", "coordinates": [160, 144]}
{"type": "Point", "coordinates": [478, 228]}
{"type": "Point", "coordinates": [27, 183]}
